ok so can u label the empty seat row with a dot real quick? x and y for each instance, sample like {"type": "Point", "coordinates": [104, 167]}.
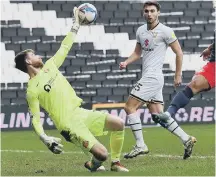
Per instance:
{"type": "Point", "coordinates": [89, 97]}
{"type": "Point", "coordinates": [121, 5]}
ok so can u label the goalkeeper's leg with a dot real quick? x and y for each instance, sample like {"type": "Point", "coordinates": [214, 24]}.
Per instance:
{"type": "Point", "coordinates": [116, 126]}
{"type": "Point", "coordinates": [100, 155]}
{"type": "Point", "coordinates": [98, 124]}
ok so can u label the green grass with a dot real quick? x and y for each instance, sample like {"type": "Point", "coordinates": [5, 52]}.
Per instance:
{"type": "Point", "coordinates": [160, 142]}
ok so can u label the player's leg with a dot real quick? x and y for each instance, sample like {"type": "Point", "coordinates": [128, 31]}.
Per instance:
{"type": "Point", "coordinates": [131, 107]}
{"type": "Point", "coordinates": [100, 155]}
{"type": "Point", "coordinates": [115, 125]}
{"type": "Point", "coordinates": [84, 139]}
{"type": "Point", "coordinates": [144, 91]}
{"type": "Point", "coordinates": [169, 123]}
{"type": "Point", "coordinates": [199, 83]}
{"type": "Point", "coordinates": [76, 132]}
{"type": "Point", "coordinates": [202, 81]}
{"type": "Point", "coordinates": [99, 123]}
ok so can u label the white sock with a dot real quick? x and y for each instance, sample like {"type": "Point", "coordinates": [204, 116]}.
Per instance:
{"type": "Point", "coordinates": [174, 128]}
{"type": "Point", "coordinates": [136, 127]}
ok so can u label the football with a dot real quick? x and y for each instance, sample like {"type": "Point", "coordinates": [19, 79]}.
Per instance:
{"type": "Point", "coordinates": [88, 13]}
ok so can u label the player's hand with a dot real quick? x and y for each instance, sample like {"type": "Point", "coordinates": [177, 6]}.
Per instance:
{"type": "Point", "coordinates": [52, 143]}
{"type": "Point", "coordinates": [177, 80]}
{"type": "Point", "coordinates": [123, 65]}
{"type": "Point", "coordinates": [205, 54]}
{"type": "Point", "coordinates": [76, 20]}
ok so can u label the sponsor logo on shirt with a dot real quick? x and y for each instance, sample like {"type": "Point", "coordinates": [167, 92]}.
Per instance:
{"type": "Point", "coordinates": [148, 50]}
{"type": "Point", "coordinates": [46, 70]}
{"type": "Point", "coordinates": [48, 86]}
{"type": "Point", "coordinates": [146, 42]}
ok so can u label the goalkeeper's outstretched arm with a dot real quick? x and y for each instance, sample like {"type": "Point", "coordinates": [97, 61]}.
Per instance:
{"type": "Point", "coordinates": [68, 41]}
{"type": "Point", "coordinates": [52, 143]}
{"type": "Point", "coordinates": [34, 110]}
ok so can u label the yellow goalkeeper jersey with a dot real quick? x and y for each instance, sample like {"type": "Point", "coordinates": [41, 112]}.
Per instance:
{"type": "Point", "coordinates": [50, 90]}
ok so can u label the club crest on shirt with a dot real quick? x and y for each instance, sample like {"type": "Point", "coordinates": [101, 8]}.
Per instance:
{"type": "Point", "coordinates": [154, 34]}
{"type": "Point", "coordinates": [46, 70]}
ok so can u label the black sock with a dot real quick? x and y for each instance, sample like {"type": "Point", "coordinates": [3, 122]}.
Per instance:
{"type": "Point", "coordinates": [180, 100]}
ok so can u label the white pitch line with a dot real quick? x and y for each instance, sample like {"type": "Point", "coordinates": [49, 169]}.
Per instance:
{"type": "Point", "coordinates": [80, 152]}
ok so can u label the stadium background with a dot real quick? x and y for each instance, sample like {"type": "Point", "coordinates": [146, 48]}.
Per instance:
{"type": "Point", "coordinates": [92, 65]}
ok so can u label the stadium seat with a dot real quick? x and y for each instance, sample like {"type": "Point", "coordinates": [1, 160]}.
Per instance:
{"type": "Point", "coordinates": [99, 99]}
{"type": "Point", "coordinates": [98, 77]}
{"type": "Point", "coordinates": [120, 91]}
{"type": "Point", "coordinates": [18, 39]}
{"type": "Point", "coordinates": [110, 6]}
{"type": "Point", "coordinates": [194, 5]}
{"type": "Point", "coordinates": [115, 98]}
{"type": "Point", "coordinates": [187, 20]}
{"type": "Point", "coordinates": [197, 28]}
{"type": "Point", "coordinates": [5, 101]}
{"type": "Point", "coordinates": [137, 6]}
{"type": "Point", "coordinates": [18, 101]}
{"type": "Point", "coordinates": [104, 91]}
{"type": "Point", "coordinates": [124, 6]}
{"type": "Point", "coordinates": [8, 94]}
{"type": "Point", "coordinates": [191, 13]}
{"type": "Point", "coordinates": [179, 5]}
{"type": "Point", "coordinates": [14, 86]}
{"type": "Point", "coordinates": [93, 84]}
{"type": "Point", "coordinates": [206, 5]}
{"type": "Point", "coordinates": [38, 32]}
{"type": "Point", "coordinates": [103, 69]}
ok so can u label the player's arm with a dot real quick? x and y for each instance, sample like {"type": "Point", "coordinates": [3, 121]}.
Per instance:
{"type": "Point", "coordinates": [210, 47]}
{"type": "Point", "coordinates": [67, 42]}
{"type": "Point", "coordinates": [172, 41]}
{"type": "Point", "coordinates": [34, 110]}
{"type": "Point", "coordinates": [206, 53]}
{"type": "Point", "coordinates": [52, 143]}
{"type": "Point", "coordinates": [135, 55]}
{"type": "Point", "coordinates": [176, 48]}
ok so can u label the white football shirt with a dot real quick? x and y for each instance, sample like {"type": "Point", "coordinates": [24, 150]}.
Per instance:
{"type": "Point", "coordinates": [154, 44]}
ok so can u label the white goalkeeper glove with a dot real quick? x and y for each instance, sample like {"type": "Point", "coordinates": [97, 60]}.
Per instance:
{"type": "Point", "coordinates": [76, 20]}
{"type": "Point", "coordinates": [52, 143]}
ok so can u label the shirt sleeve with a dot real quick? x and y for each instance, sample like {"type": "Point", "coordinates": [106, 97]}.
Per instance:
{"type": "Point", "coordinates": [34, 110]}
{"type": "Point", "coordinates": [169, 36]}
{"type": "Point", "coordinates": [137, 36]}
{"type": "Point", "coordinates": [65, 47]}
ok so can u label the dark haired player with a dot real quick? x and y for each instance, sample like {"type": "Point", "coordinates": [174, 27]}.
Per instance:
{"type": "Point", "coordinates": [49, 89]}
{"type": "Point", "coordinates": [153, 39]}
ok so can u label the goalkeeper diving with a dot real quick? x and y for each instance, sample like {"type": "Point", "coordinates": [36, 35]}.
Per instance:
{"type": "Point", "coordinates": [48, 88]}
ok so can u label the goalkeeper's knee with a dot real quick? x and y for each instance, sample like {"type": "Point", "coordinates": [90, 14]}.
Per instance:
{"type": "Point", "coordinates": [99, 152]}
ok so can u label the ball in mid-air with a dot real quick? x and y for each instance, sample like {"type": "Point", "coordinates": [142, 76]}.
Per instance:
{"type": "Point", "coordinates": [88, 13]}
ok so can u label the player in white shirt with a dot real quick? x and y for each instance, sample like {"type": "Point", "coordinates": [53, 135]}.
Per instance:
{"type": "Point", "coordinates": [153, 39]}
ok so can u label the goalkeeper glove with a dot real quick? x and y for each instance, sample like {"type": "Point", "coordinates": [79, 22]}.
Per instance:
{"type": "Point", "coordinates": [52, 143]}
{"type": "Point", "coordinates": [76, 20]}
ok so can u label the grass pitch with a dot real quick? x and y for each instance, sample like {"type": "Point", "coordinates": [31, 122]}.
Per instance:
{"type": "Point", "coordinates": [22, 154]}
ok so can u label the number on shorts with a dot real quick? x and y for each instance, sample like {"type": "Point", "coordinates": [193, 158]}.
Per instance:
{"type": "Point", "coordinates": [137, 86]}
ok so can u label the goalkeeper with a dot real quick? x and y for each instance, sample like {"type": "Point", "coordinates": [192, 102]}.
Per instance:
{"type": "Point", "coordinates": [49, 89]}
